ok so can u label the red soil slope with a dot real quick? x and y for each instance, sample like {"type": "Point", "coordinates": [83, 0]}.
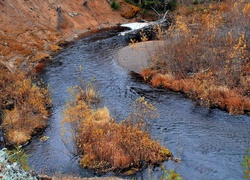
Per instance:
{"type": "Point", "coordinates": [30, 29]}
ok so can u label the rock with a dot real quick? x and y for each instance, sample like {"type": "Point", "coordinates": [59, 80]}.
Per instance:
{"type": "Point", "coordinates": [44, 177]}
{"type": "Point", "coordinates": [72, 14]}
{"type": "Point", "coordinates": [44, 138]}
{"type": "Point", "coordinates": [128, 11]}
{"type": "Point", "coordinates": [10, 170]}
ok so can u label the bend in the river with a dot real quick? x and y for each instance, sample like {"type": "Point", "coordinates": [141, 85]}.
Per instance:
{"type": "Point", "coordinates": [211, 143]}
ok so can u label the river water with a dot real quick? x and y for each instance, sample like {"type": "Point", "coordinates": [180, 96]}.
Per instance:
{"type": "Point", "coordinates": [210, 143]}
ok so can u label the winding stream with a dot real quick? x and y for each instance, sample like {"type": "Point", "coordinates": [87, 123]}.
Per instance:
{"type": "Point", "coordinates": [211, 143]}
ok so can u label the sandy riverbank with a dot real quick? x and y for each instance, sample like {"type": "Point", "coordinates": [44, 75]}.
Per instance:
{"type": "Point", "coordinates": [136, 57]}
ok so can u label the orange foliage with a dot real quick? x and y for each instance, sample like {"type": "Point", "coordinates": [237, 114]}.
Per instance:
{"type": "Point", "coordinates": [18, 136]}
{"type": "Point", "coordinates": [127, 10]}
{"type": "Point", "coordinates": [157, 80]}
{"type": "Point", "coordinates": [177, 85]}
{"type": "Point", "coordinates": [207, 49]}
{"type": "Point", "coordinates": [24, 106]}
{"type": "Point", "coordinates": [147, 73]}
{"type": "Point", "coordinates": [118, 147]}
{"type": "Point", "coordinates": [105, 145]}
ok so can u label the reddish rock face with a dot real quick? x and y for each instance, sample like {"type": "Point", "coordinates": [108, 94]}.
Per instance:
{"type": "Point", "coordinates": [128, 11]}
{"type": "Point", "coordinates": [28, 28]}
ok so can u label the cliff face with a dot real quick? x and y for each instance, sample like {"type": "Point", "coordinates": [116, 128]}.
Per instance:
{"type": "Point", "coordinates": [30, 29]}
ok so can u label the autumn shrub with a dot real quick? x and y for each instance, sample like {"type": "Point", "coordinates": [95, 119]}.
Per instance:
{"type": "Point", "coordinates": [207, 48]}
{"type": "Point", "coordinates": [24, 106]}
{"type": "Point", "coordinates": [157, 80]}
{"type": "Point", "coordinates": [105, 145]}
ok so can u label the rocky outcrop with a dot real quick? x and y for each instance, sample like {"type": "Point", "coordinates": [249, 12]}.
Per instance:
{"type": "Point", "coordinates": [13, 170]}
{"type": "Point", "coordinates": [128, 11]}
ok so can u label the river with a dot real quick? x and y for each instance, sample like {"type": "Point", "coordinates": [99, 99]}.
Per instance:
{"type": "Point", "coordinates": [210, 143]}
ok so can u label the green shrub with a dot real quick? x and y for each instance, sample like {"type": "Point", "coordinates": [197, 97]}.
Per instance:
{"type": "Point", "coordinates": [170, 175]}
{"type": "Point", "coordinates": [19, 156]}
{"type": "Point", "coordinates": [172, 5]}
{"type": "Point", "coordinates": [196, 2]}
{"type": "Point", "coordinates": [246, 165]}
{"type": "Point", "coordinates": [115, 5]}
{"type": "Point", "coordinates": [130, 2]}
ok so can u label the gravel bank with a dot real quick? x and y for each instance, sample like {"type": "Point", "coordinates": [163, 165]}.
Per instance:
{"type": "Point", "coordinates": [137, 57]}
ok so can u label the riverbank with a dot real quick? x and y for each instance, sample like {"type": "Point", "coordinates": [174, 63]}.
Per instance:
{"type": "Point", "coordinates": [32, 30]}
{"type": "Point", "coordinates": [146, 58]}
{"type": "Point", "coordinates": [208, 59]}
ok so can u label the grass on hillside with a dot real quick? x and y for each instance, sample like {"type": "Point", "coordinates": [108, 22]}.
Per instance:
{"type": "Point", "coordinates": [23, 106]}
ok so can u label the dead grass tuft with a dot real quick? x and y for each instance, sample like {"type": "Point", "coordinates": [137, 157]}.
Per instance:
{"type": "Point", "coordinates": [18, 136]}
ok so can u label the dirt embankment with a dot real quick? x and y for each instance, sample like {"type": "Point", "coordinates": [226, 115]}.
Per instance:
{"type": "Point", "coordinates": [31, 29]}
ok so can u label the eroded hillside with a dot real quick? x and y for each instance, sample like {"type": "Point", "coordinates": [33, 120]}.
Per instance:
{"type": "Point", "coordinates": [30, 29]}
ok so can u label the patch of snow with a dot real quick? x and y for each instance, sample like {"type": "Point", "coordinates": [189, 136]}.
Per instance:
{"type": "Point", "coordinates": [134, 26]}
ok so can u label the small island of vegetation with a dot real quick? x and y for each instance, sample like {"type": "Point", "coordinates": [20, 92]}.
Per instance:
{"type": "Point", "coordinates": [106, 145]}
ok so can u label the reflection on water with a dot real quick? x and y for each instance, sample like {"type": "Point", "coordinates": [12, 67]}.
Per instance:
{"type": "Point", "coordinates": [211, 143]}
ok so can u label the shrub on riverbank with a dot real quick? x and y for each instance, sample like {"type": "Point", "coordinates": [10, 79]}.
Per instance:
{"type": "Point", "coordinates": [105, 145]}
{"type": "Point", "coordinates": [23, 106]}
{"type": "Point", "coordinates": [207, 55]}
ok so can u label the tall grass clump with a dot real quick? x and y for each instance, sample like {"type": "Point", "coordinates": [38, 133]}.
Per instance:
{"type": "Point", "coordinates": [24, 106]}
{"type": "Point", "coordinates": [207, 55]}
{"type": "Point", "coordinates": [105, 145]}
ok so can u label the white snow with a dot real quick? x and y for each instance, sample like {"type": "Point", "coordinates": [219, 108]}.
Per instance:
{"type": "Point", "coordinates": [133, 26]}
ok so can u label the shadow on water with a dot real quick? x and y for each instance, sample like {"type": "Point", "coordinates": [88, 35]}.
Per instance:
{"type": "Point", "coordinates": [211, 143]}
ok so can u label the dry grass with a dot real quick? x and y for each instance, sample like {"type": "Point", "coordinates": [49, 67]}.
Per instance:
{"type": "Point", "coordinates": [18, 136]}
{"type": "Point", "coordinates": [105, 145]}
{"type": "Point", "coordinates": [23, 106]}
{"type": "Point", "coordinates": [208, 48]}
